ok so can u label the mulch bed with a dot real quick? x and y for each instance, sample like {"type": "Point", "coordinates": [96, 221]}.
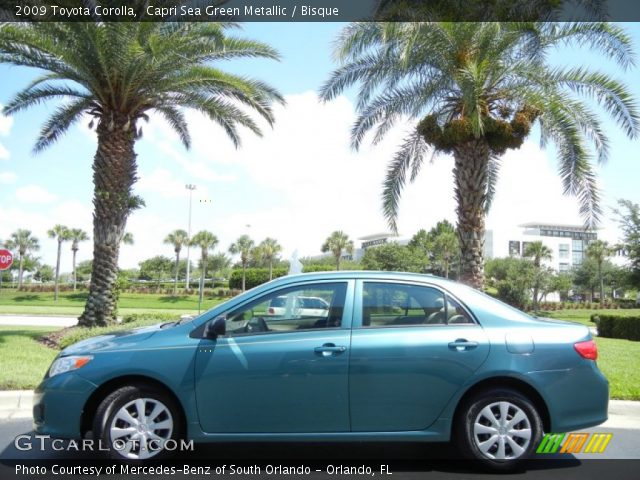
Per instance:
{"type": "Point", "coordinates": [52, 340]}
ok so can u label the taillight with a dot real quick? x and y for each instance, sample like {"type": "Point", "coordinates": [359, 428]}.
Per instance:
{"type": "Point", "coordinates": [587, 349]}
{"type": "Point", "coordinates": [271, 311]}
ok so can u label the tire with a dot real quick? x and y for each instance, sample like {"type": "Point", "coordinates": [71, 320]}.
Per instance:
{"type": "Point", "coordinates": [117, 426]}
{"type": "Point", "coordinates": [482, 434]}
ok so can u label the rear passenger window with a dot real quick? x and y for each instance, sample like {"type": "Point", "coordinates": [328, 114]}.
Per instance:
{"type": "Point", "coordinates": [389, 304]}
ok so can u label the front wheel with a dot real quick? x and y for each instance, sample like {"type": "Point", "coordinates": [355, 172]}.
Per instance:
{"type": "Point", "coordinates": [500, 428]}
{"type": "Point", "coordinates": [136, 422]}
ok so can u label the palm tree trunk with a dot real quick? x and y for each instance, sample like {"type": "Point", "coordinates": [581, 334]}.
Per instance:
{"type": "Point", "coordinates": [55, 288]}
{"type": "Point", "coordinates": [470, 173]}
{"type": "Point", "coordinates": [244, 272]}
{"type": "Point", "coordinates": [175, 280]}
{"type": "Point", "coordinates": [114, 173]}
{"type": "Point", "coordinates": [202, 275]}
{"type": "Point", "coordinates": [270, 270]}
{"type": "Point", "coordinates": [20, 271]}
{"type": "Point", "coordinates": [337, 262]}
{"type": "Point", "coordinates": [75, 274]}
{"type": "Point", "coordinates": [601, 283]}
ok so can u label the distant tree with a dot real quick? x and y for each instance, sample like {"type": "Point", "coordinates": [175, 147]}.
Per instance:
{"type": "Point", "coordinates": [269, 251]}
{"type": "Point", "coordinates": [155, 267]}
{"type": "Point", "coordinates": [562, 284]}
{"type": "Point", "coordinates": [628, 216]}
{"type": "Point", "coordinates": [22, 242]}
{"type": "Point", "coordinates": [84, 269]}
{"type": "Point", "coordinates": [445, 246]}
{"type": "Point", "coordinates": [206, 241]}
{"type": "Point", "coordinates": [177, 238]}
{"type": "Point", "coordinates": [127, 239]}
{"type": "Point", "coordinates": [338, 243]}
{"type": "Point", "coordinates": [587, 280]}
{"type": "Point", "coordinates": [218, 263]}
{"type": "Point", "coordinates": [393, 257]}
{"type": "Point", "coordinates": [599, 251]}
{"type": "Point", "coordinates": [512, 277]}
{"type": "Point", "coordinates": [44, 273]}
{"type": "Point", "coordinates": [61, 234]}
{"type": "Point", "coordinates": [243, 247]}
{"type": "Point", "coordinates": [538, 252]}
{"type": "Point", "coordinates": [76, 235]}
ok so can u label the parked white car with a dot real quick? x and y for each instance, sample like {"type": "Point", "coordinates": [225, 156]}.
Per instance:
{"type": "Point", "coordinates": [294, 306]}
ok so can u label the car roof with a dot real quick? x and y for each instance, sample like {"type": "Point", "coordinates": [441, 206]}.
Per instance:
{"type": "Point", "coordinates": [348, 274]}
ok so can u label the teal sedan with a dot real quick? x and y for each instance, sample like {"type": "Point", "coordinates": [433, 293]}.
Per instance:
{"type": "Point", "coordinates": [392, 357]}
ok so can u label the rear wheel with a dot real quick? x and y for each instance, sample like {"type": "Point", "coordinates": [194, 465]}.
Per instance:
{"type": "Point", "coordinates": [500, 428]}
{"type": "Point", "coordinates": [136, 422]}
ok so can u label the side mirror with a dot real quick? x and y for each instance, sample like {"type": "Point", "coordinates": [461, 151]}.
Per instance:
{"type": "Point", "coordinates": [216, 328]}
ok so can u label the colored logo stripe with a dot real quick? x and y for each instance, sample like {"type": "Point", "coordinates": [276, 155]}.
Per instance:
{"type": "Point", "coordinates": [574, 442]}
{"type": "Point", "coordinates": [550, 443]}
{"type": "Point", "coordinates": [598, 442]}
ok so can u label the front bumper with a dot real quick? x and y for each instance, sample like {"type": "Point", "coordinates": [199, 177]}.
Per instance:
{"type": "Point", "coordinates": [58, 403]}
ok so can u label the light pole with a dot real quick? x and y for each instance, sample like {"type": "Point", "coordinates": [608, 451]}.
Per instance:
{"type": "Point", "coordinates": [191, 188]}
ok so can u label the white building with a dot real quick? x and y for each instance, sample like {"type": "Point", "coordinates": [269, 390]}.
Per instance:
{"type": "Point", "coordinates": [567, 242]}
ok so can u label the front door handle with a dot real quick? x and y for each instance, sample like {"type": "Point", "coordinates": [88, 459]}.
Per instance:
{"type": "Point", "coordinates": [329, 349]}
{"type": "Point", "coordinates": [462, 344]}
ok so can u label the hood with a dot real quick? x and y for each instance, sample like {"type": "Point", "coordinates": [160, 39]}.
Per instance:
{"type": "Point", "coordinates": [112, 341]}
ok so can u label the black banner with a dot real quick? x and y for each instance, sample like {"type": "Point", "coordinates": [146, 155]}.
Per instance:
{"type": "Point", "coordinates": [317, 10]}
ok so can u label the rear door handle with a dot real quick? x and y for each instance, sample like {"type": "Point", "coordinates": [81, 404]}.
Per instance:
{"type": "Point", "coordinates": [462, 344]}
{"type": "Point", "coordinates": [329, 349]}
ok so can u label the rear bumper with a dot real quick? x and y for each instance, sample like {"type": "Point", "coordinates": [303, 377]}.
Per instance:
{"type": "Point", "coordinates": [58, 403]}
{"type": "Point", "coordinates": [577, 398]}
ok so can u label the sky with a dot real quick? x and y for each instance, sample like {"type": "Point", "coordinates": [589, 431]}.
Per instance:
{"type": "Point", "coordinates": [297, 183]}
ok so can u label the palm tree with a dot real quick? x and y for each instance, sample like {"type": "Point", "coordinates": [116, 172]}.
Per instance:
{"type": "Point", "coordinates": [243, 246]}
{"type": "Point", "coordinates": [538, 252]}
{"type": "Point", "coordinates": [61, 234]}
{"type": "Point", "coordinates": [599, 251]}
{"type": "Point", "coordinates": [127, 239]}
{"type": "Point", "coordinates": [474, 90]}
{"type": "Point", "coordinates": [76, 235]}
{"type": "Point", "coordinates": [206, 241]}
{"type": "Point", "coordinates": [177, 238]}
{"type": "Point", "coordinates": [337, 243]}
{"type": "Point", "coordinates": [22, 242]}
{"type": "Point", "coordinates": [118, 73]}
{"type": "Point", "coordinates": [269, 250]}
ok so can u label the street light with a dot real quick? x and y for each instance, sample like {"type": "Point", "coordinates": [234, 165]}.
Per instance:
{"type": "Point", "coordinates": [191, 188]}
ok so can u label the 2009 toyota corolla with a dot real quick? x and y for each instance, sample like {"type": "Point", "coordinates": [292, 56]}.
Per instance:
{"type": "Point", "coordinates": [396, 357]}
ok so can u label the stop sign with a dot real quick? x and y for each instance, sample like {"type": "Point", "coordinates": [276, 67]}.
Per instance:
{"type": "Point", "coordinates": [6, 259]}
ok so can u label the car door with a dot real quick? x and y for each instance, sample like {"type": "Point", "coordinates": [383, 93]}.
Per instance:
{"type": "Point", "coordinates": [412, 348]}
{"type": "Point", "coordinates": [284, 373]}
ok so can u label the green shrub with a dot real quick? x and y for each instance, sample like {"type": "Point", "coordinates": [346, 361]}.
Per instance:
{"type": "Point", "coordinates": [77, 334]}
{"type": "Point", "coordinates": [616, 326]}
{"type": "Point", "coordinates": [254, 277]}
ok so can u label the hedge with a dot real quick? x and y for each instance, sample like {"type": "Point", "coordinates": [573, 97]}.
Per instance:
{"type": "Point", "coordinates": [254, 277]}
{"type": "Point", "coordinates": [616, 326]}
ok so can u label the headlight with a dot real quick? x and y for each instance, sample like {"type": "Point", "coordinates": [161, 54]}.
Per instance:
{"type": "Point", "coordinates": [66, 364]}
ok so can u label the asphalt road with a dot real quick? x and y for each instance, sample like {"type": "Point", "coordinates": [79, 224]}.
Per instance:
{"type": "Point", "coordinates": [405, 460]}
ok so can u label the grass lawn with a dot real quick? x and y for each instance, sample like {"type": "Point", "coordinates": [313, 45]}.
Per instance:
{"type": "Point", "coordinates": [619, 360]}
{"type": "Point", "coordinates": [69, 303]}
{"type": "Point", "coordinates": [24, 359]}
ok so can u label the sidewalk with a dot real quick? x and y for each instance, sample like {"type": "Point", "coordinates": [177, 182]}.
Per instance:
{"type": "Point", "coordinates": [622, 413]}
{"type": "Point", "coordinates": [37, 321]}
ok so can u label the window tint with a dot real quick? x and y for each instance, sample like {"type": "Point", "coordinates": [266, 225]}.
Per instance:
{"type": "Point", "coordinates": [388, 304]}
{"type": "Point", "coordinates": [296, 308]}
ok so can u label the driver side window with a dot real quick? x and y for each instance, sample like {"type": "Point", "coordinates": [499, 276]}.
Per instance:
{"type": "Point", "coordinates": [305, 307]}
